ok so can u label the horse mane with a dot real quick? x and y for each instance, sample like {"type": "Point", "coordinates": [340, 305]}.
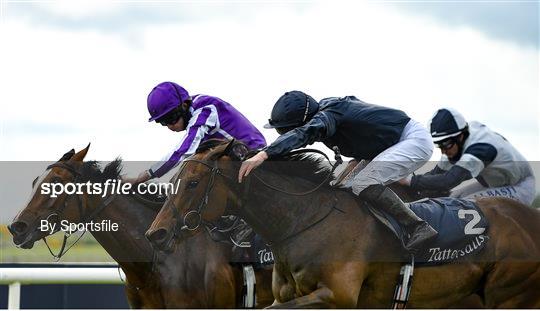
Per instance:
{"type": "Point", "coordinates": [306, 166]}
{"type": "Point", "coordinates": [311, 167]}
{"type": "Point", "coordinates": [209, 144]}
{"type": "Point", "coordinates": [91, 171]}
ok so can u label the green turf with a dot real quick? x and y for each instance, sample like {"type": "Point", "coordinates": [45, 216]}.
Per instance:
{"type": "Point", "coordinates": [86, 250]}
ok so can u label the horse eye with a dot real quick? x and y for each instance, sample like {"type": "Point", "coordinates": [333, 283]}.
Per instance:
{"type": "Point", "coordinates": [192, 184]}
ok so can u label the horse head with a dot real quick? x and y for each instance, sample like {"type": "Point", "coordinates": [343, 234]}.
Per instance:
{"type": "Point", "coordinates": [43, 206]}
{"type": "Point", "coordinates": [206, 189]}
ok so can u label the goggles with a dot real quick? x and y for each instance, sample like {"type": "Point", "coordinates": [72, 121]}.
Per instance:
{"type": "Point", "coordinates": [171, 117]}
{"type": "Point", "coordinates": [447, 144]}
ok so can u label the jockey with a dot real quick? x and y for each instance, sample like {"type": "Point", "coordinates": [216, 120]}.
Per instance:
{"type": "Point", "coordinates": [202, 117]}
{"type": "Point", "coordinates": [474, 151]}
{"type": "Point", "coordinates": [396, 144]}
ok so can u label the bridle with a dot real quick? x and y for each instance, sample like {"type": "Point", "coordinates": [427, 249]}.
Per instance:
{"type": "Point", "coordinates": [215, 171]}
{"type": "Point", "coordinates": [197, 212]}
{"type": "Point", "coordinates": [83, 218]}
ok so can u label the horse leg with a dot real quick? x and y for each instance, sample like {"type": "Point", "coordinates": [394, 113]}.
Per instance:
{"type": "Point", "coordinates": [264, 287]}
{"type": "Point", "coordinates": [333, 286]}
{"type": "Point", "coordinates": [321, 298]}
{"type": "Point", "coordinates": [220, 286]}
{"type": "Point", "coordinates": [133, 298]}
{"type": "Point", "coordinates": [340, 296]}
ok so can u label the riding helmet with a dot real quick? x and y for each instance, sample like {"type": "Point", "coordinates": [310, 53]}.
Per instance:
{"type": "Point", "coordinates": [447, 123]}
{"type": "Point", "coordinates": [292, 109]}
{"type": "Point", "coordinates": [164, 98]}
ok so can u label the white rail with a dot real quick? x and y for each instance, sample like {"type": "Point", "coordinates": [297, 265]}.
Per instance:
{"type": "Point", "coordinates": [16, 277]}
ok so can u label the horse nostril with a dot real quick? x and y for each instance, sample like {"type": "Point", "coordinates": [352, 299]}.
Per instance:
{"type": "Point", "coordinates": [18, 227]}
{"type": "Point", "coordinates": [158, 236]}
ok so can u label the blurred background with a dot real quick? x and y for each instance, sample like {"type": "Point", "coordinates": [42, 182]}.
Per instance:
{"type": "Point", "coordinates": [74, 72]}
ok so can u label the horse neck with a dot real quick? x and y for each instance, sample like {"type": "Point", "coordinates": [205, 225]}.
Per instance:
{"type": "Point", "coordinates": [127, 245]}
{"type": "Point", "coordinates": [276, 215]}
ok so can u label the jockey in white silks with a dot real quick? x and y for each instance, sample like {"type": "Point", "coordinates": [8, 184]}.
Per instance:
{"type": "Point", "coordinates": [472, 150]}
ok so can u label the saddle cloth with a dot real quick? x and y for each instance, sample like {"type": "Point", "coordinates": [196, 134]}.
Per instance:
{"type": "Point", "coordinates": [461, 225]}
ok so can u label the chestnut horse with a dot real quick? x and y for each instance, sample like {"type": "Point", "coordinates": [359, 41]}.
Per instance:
{"type": "Point", "coordinates": [197, 274]}
{"type": "Point", "coordinates": [331, 252]}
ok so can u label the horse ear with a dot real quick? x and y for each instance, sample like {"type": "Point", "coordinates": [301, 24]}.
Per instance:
{"type": "Point", "coordinates": [229, 147]}
{"type": "Point", "coordinates": [67, 155]}
{"type": "Point", "coordinates": [238, 152]}
{"type": "Point", "coordinates": [79, 156]}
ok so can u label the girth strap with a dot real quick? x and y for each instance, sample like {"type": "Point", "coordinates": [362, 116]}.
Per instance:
{"type": "Point", "coordinates": [403, 287]}
{"type": "Point", "coordinates": [249, 296]}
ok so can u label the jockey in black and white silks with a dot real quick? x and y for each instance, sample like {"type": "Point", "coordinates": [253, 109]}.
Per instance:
{"type": "Point", "coordinates": [472, 150]}
{"type": "Point", "coordinates": [395, 144]}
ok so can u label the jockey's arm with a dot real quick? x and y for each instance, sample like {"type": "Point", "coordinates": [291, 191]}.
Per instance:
{"type": "Point", "coordinates": [318, 128]}
{"type": "Point", "coordinates": [202, 121]}
{"type": "Point", "coordinates": [442, 181]}
{"type": "Point", "coordinates": [189, 143]}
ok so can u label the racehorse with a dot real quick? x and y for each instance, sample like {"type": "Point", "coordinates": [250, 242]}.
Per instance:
{"type": "Point", "coordinates": [195, 275]}
{"type": "Point", "coordinates": [331, 252]}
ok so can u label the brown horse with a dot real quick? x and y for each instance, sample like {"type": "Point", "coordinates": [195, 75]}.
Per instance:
{"type": "Point", "coordinates": [196, 275]}
{"type": "Point", "coordinates": [331, 252]}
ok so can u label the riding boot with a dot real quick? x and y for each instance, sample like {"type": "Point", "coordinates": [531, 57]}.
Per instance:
{"type": "Point", "coordinates": [419, 231]}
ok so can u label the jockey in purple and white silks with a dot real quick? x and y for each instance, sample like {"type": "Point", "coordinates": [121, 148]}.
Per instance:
{"type": "Point", "coordinates": [395, 144]}
{"type": "Point", "coordinates": [202, 117]}
{"type": "Point", "coordinates": [471, 150]}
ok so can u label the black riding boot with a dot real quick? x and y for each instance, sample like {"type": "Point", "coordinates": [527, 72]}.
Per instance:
{"type": "Point", "coordinates": [384, 198]}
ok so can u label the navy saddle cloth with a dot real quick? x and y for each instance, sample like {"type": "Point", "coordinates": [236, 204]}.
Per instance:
{"type": "Point", "coordinates": [461, 225]}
